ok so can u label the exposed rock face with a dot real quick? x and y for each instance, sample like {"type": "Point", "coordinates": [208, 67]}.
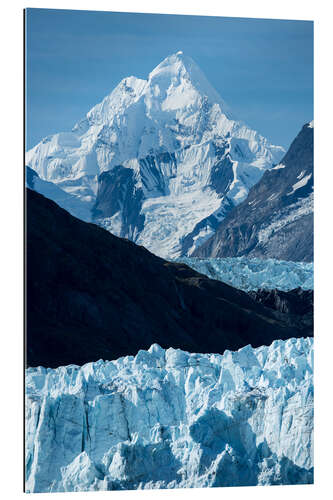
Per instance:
{"type": "Point", "coordinates": [91, 295]}
{"type": "Point", "coordinates": [296, 304]}
{"type": "Point", "coordinates": [276, 219]}
{"type": "Point", "coordinates": [170, 419]}
{"type": "Point", "coordinates": [118, 198]}
{"type": "Point", "coordinates": [298, 301]}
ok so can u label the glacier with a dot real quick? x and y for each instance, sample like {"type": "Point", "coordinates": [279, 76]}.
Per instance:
{"type": "Point", "coordinates": [254, 273]}
{"type": "Point", "coordinates": [181, 154]}
{"type": "Point", "coordinates": [173, 419]}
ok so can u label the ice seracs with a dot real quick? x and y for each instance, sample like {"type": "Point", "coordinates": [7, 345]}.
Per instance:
{"type": "Point", "coordinates": [253, 273]}
{"type": "Point", "coordinates": [189, 158]}
{"type": "Point", "coordinates": [171, 419]}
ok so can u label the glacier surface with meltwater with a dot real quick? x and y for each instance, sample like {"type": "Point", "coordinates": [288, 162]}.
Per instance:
{"type": "Point", "coordinates": [173, 419]}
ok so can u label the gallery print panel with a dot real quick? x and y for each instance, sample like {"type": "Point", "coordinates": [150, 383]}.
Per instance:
{"type": "Point", "coordinates": [169, 251]}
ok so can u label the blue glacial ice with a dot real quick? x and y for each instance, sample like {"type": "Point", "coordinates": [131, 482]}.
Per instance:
{"type": "Point", "coordinates": [171, 419]}
{"type": "Point", "coordinates": [252, 274]}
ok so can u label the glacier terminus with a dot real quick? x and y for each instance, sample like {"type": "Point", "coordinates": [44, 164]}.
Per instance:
{"type": "Point", "coordinates": [172, 419]}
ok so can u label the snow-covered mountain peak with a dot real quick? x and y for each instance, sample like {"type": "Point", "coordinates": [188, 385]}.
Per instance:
{"type": "Point", "coordinates": [176, 107]}
{"type": "Point", "coordinates": [179, 70]}
{"type": "Point", "coordinates": [170, 144]}
{"type": "Point", "coordinates": [174, 64]}
{"type": "Point", "coordinates": [177, 64]}
{"type": "Point", "coordinates": [127, 92]}
{"type": "Point", "coordinates": [175, 90]}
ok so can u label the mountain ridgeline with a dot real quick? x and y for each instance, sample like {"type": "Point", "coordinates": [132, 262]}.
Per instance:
{"type": "Point", "coordinates": [162, 166]}
{"type": "Point", "coordinates": [276, 219]}
{"type": "Point", "coordinates": [92, 295]}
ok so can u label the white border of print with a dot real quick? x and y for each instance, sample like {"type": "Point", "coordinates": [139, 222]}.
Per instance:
{"type": "Point", "coordinates": [12, 236]}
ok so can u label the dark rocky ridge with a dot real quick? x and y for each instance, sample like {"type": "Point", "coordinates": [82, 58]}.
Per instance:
{"type": "Point", "coordinates": [117, 193]}
{"type": "Point", "coordinates": [296, 305]}
{"type": "Point", "coordinates": [269, 201]}
{"type": "Point", "coordinates": [30, 177]}
{"type": "Point", "coordinates": [91, 295]}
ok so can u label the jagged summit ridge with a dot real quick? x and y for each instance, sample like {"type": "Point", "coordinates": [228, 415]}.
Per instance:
{"type": "Point", "coordinates": [177, 73]}
{"type": "Point", "coordinates": [174, 143]}
{"type": "Point", "coordinates": [180, 69]}
{"type": "Point", "coordinates": [162, 113]}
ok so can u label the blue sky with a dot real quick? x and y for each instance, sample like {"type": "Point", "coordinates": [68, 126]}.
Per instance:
{"type": "Point", "coordinates": [262, 68]}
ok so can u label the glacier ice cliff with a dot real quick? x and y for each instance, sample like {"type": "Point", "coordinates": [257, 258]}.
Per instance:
{"type": "Point", "coordinates": [247, 273]}
{"type": "Point", "coordinates": [171, 419]}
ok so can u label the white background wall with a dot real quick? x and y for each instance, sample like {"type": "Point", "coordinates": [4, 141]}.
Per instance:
{"type": "Point", "coordinates": [11, 247]}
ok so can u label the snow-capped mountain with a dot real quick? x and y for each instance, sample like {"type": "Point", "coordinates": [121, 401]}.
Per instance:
{"type": "Point", "coordinates": [276, 219]}
{"type": "Point", "coordinates": [169, 158]}
{"type": "Point", "coordinates": [173, 419]}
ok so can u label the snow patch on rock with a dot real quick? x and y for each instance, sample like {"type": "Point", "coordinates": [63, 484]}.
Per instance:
{"type": "Point", "coordinates": [303, 182]}
{"type": "Point", "coordinates": [282, 218]}
{"type": "Point", "coordinates": [279, 166]}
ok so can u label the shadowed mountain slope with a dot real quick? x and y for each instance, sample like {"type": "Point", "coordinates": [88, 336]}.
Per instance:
{"type": "Point", "coordinates": [92, 295]}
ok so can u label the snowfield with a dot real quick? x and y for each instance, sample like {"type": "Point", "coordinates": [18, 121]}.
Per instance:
{"type": "Point", "coordinates": [171, 419]}
{"type": "Point", "coordinates": [254, 273]}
